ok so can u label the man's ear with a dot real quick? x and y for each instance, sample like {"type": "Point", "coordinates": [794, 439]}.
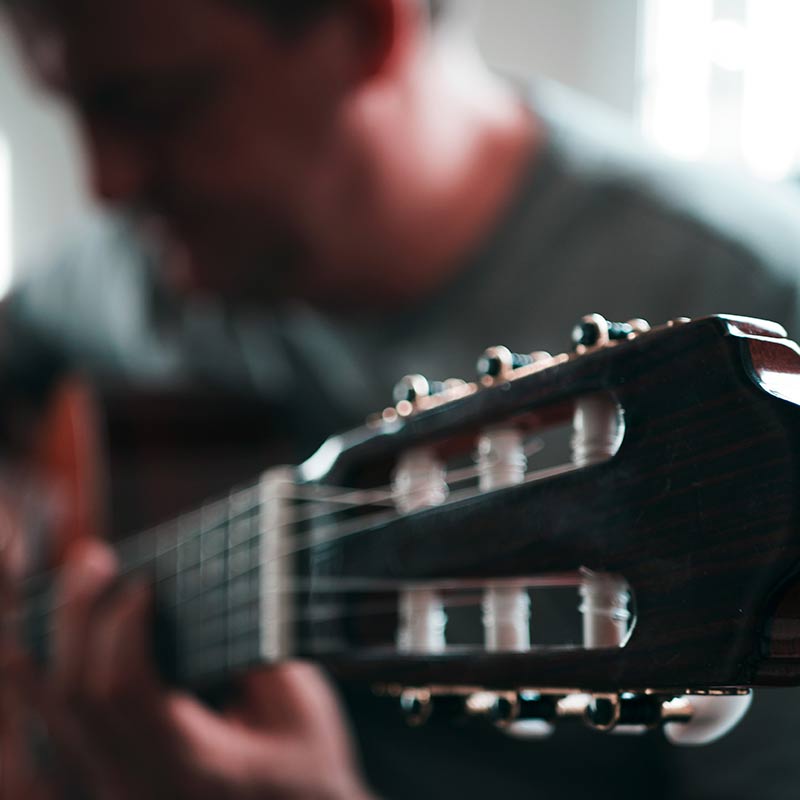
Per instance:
{"type": "Point", "coordinates": [384, 31]}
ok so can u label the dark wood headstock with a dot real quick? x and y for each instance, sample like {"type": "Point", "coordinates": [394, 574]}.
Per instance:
{"type": "Point", "coordinates": [697, 511]}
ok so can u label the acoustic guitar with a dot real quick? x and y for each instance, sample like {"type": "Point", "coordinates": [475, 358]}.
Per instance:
{"type": "Point", "coordinates": [419, 553]}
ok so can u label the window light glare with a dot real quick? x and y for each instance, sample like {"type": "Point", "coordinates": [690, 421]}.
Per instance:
{"type": "Point", "coordinates": [729, 45]}
{"type": "Point", "coordinates": [5, 218]}
{"type": "Point", "coordinates": [720, 83]}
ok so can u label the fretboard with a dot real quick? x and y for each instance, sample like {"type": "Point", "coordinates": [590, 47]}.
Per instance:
{"type": "Point", "coordinates": [219, 582]}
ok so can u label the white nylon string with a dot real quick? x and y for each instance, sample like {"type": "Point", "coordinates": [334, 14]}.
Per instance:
{"type": "Point", "coordinates": [147, 548]}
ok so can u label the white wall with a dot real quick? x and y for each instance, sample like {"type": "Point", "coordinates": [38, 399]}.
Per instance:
{"type": "Point", "coordinates": [588, 44]}
{"type": "Point", "coordinates": [47, 188]}
{"type": "Point", "coordinates": [591, 45]}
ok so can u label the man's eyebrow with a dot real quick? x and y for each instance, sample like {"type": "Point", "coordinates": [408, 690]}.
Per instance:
{"type": "Point", "coordinates": [136, 86]}
{"type": "Point", "coordinates": [108, 88]}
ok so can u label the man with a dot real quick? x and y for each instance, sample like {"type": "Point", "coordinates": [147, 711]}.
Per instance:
{"type": "Point", "coordinates": [342, 156]}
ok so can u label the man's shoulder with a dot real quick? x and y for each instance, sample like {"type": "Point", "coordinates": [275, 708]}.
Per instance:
{"type": "Point", "coordinates": [638, 192]}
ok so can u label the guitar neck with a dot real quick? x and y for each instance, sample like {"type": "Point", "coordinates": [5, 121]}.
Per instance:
{"type": "Point", "coordinates": [222, 578]}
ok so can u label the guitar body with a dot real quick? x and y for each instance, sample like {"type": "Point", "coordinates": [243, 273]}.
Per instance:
{"type": "Point", "coordinates": [112, 460]}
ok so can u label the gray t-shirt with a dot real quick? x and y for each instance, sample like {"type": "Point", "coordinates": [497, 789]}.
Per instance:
{"type": "Point", "coordinates": [596, 224]}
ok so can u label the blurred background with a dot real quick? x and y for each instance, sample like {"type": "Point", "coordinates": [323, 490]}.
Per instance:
{"type": "Point", "coordinates": [702, 79]}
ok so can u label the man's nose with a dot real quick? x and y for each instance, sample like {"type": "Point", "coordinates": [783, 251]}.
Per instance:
{"type": "Point", "coordinates": [120, 168]}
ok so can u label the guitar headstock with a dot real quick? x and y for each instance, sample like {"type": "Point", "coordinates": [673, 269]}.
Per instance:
{"type": "Point", "coordinates": [670, 527]}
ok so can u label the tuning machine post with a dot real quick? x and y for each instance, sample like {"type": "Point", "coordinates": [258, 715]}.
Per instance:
{"type": "Point", "coordinates": [410, 388]}
{"type": "Point", "coordinates": [499, 363]}
{"type": "Point", "coordinates": [686, 720]}
{"type": "Point", "coordinates": [414, 393]}
{"type": "Point", "coordinates": [498, 708]}
{"type": "Point", "coordinates": [595, 331]}
{"type": "Point", "coordinates": [417, 706]}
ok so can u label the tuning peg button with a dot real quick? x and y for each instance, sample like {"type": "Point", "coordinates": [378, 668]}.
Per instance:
{"type": "Point", "coordinates": [416, 705]}
{"type": "Point", "coordinates": [596, 331]}
{"type": "Point", "coordinates": [499, 361]}
{"type": "Point", "coordinates": [412, 387]}
{"type": "Point", "coordinates": [712, 718]}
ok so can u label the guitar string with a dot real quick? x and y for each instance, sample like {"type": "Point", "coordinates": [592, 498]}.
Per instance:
{"type": "Point", "coordinates": [353, 498]}
{"type": "Point", "coordinates": [338, 531]}
{"type": "Point", "coordinates": [335, 585]}
{"type": "Point", "coordinates": [466, 597]}
{"type": "Point", "coordinates": [320, 493]}
{"type": "Point", "coordinates": [321, 611]}
{"type": "Point", "coordinates": [326, 535]}
{"type": "Point", "coordinates": [165, 539]}
{"type": "Point", "coordinates": [315, 538]}
{"type": "Point", "coordinates": [217, 656]}
{"type": "Point", "coordinates": [347, 497]}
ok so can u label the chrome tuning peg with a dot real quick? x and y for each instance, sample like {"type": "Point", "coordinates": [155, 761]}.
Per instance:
{"type": "Point", "coordinates": [706, 719]}
{"type": "Point", "coordinates": [499, 361]}
{"type": "Point", "coordinates": [412, 387]}
{"type": "Point", "coordinates": [596, 331]}
{"type": "Point", "coordinates": [416, 705]}
{"type": "Point", "coordinates": [498, 708]}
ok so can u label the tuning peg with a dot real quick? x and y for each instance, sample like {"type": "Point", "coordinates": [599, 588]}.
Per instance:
{"type": "Point", "coordinates": [410, 388]}
{"type": "Point", "coordinates": [499, 361]}
{"type": "Point", "coordinates": [416, 705]}
{"type": "Point", "coordinates": [498, 708]}
{"type": "Point", "coordinates": [536, 717]}
{"type": "Point", "coordinates": [596, 331]}
{"type": "Point", "coordinates": [710, 719]}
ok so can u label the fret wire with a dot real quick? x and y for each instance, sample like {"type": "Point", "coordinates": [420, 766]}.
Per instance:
{"type": "Point", "coordinates": [379, 586]}
{"type": "Point", "coordinates": [197, 534]}
{"type": "Point", "coordinates": [378, 497]}
{"type": "Point", "coordinates": [313, 494]}
{"type": "Point", "coordinates": [168, 549]}
{"type": "Point", "coordinates": [229, 659]}
{"type": "Point", "coordinates": [154, 535]}
{"type": "Point", "coordinates": [136, 541]}
{"type": "Point", "coordinates": [465, 597]}
{"type": "Point", "coordinates": [314, 612]}
{"type": "Point", "coordinates": [318, 612]}
{"type": "Point", "coordinates": [337, 532]}
{"type": "Point", "coordinates": [333, 528]}
{"type": "Point", "coordinates": [329, 533]}
{"type": "Point", "coordinates": [337, 585]}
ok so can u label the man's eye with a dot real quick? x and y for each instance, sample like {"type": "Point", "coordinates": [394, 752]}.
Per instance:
{"type": "Point", "coordinates": [162, 111]}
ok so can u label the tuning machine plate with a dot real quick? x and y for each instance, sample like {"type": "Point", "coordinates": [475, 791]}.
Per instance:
{"type": "Point", "coordinates": [685, 719]}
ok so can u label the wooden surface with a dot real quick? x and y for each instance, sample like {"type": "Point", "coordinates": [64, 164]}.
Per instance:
{"type": "Point", "coordinates": [698, 511]}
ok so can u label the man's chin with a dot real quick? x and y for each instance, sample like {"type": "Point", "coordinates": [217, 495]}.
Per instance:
{"type": "Point", "coordinates": [233, 281]}
{"type": "Point", "coordinates": [222, 266]}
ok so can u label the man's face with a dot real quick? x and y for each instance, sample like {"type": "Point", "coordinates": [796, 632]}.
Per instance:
{"type": "Point", "coordinates": [207, 121]}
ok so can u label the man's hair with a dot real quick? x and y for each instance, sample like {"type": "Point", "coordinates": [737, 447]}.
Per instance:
{"type": "Point", "coordinates": [288, 14]}
{"type": "Point", "coordinates": [294, 14]}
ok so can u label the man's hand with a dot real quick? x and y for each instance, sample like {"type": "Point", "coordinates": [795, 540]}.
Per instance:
{"type": "Point", "coordinates": [119, 734]}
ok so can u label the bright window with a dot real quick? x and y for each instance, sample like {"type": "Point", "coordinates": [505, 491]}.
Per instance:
{"type": "Point", "coordinates": [5, 218]}
{"type": "Point", "coordinates": [720, 82]}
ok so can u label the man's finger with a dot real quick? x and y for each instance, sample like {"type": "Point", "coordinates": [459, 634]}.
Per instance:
{"type": "Point", "coordinates": [120, 675]}
{"type": "Point", "coordinates": [294, 696]}
{"type": "Point", "coordinates": [89, 571]}
{"type": "Point", "coordinates": [39, 720]}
